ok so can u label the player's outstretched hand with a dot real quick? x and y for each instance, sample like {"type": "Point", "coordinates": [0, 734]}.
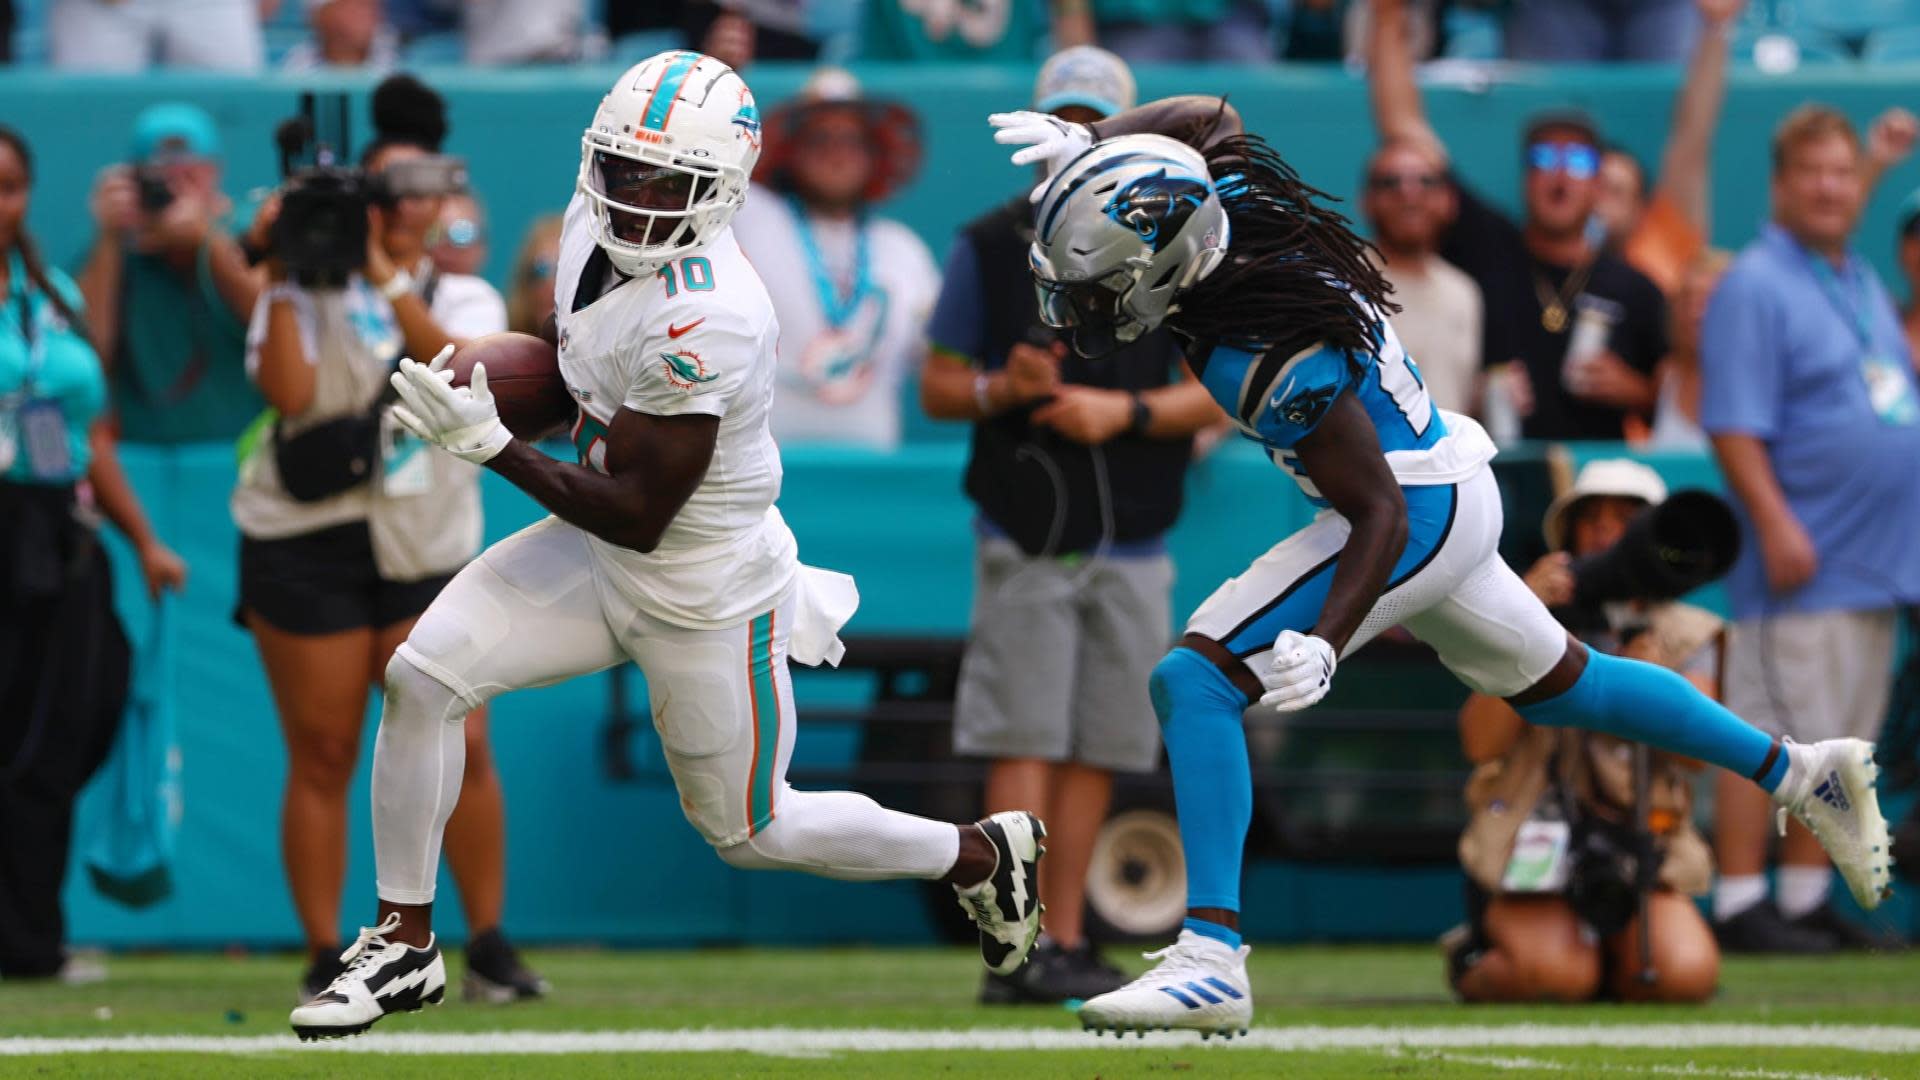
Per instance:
{"type": "Point", "coordinates": [1043, 138]}
{"type": "Point", "coordinates": [1301, 673]}
{"type": "Point", "coordinates": [461, 420]}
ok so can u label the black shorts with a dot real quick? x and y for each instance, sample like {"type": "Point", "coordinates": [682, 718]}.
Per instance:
{"type": "Point", "coordinates": [326, 582]}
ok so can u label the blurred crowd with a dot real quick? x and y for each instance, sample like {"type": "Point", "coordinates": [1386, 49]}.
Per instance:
{"type": "Point", "coordinates": [1599, 312]}
{"type": "Point", "coordinates": [304, 35]}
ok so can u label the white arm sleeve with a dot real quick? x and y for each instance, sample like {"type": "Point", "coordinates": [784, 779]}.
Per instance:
{"type": "Point", "coordinates": [303, 316]}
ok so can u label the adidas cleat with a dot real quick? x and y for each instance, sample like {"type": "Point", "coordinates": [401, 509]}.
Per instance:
{"type": "Point", "coordinates": [1829, 788]}
{"type": "Point", "coordinates": [1200, 985]}
{"type": "Point", "coordinates": [380, 979]}
{"type": "Point", "coordinates": [1006, 906]}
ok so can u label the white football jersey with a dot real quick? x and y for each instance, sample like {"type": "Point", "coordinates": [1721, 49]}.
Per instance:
{"type": "Point", "coordinates": [699, 336]}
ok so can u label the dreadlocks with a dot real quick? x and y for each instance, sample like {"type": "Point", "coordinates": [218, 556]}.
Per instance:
{"type": "Point", "coordinates": [1295, 272]}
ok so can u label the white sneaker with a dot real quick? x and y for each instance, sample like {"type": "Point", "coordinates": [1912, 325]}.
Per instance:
{"type": "Point", "coordinates": [1199, 983]}
{"type": "Point", "coordinates": [381, 978]}
{"type": "Point", "coordinates": [1829, 787]}
{"type": "Point", "coordinates": [1006, 906]}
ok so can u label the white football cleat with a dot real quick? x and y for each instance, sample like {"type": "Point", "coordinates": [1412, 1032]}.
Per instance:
{"type": "Point", "coordinates": [1200, 984]}
{"type": "Point", "coordinates": [1006, 906]}
{"type": "Point", "coordinates": [1829, 788]}
{"type": "Point", "coordinates": [380, 979]}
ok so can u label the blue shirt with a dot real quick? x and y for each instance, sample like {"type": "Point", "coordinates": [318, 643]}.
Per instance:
{"type": "Point", "coordinates": [59, 370]}
{"type": "Point", "coordinates": [1782, 359]}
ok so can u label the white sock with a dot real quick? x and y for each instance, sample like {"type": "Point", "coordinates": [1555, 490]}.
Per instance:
{"type": "Point", "coordinates": [1736, 893]}
{"type": "Point", "coordinates": [845, 835]}
{"type": "Point", "coordinates": [1802, 889]}
{"type": "Point", "coordinates": [418, 761]}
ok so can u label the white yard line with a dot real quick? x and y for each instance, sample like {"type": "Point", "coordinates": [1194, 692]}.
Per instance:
{"type": "Point", "coordinates": [788, 1041]}
{"type": "Point", "coordinates": [1514, 1064]}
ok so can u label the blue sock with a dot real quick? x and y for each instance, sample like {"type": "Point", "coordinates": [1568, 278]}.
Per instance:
{"type": "Point", "coordinates": [1209, 928]}
{"type": "Point", "coordinates": [1649, 704]}
{"type": "Point", "coordinates": [1199, 710]}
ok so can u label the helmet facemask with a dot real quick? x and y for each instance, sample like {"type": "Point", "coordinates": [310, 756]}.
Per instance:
{"type": "Point", "coordinates": [650, 205]}
{"type": "Point", "coordinates": [1094, 314]}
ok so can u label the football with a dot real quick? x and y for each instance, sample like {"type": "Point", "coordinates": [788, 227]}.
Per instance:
{"type": "Point", "coordinates": [523, 373]}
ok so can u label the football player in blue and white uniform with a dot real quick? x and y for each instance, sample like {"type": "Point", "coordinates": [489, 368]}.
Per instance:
{"type": "Point", "coordinates": [1284, 317]}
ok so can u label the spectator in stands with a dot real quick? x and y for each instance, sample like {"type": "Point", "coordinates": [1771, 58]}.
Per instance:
{"type": "Point", "coordinates": [1013, 32]}
{"type": "Point", "coordinates": [1907, 229]}
{"type": "Point", "coordinates": [1596, 31]}
{"type": "Point", "coordinates": [1676, 415]}
{"type": "Point", "coordinates": [349, 528]}
{"type": "Point", "coordinates": [1808, 391]}
{"type": "Point", "coordinates": [1075, 472]}
{"type": "Point", "coordinates": [1572, 332]}
{"type": "Point", "coordinates": [852, 290]}
{"type": "Point", "coordinates": [7, 22]}
{"type": "Point", "coordinates": [132, 35]}
{"type": "Point", "coordinates": [530, 292]}
{"type": "Point", "coordinates": [1531, 936]}
{"type": "Point", "coordinates": [1661, 233]}
{"type": "Point", "coordinates": [458, 241]}
{"type": "Point", "coordinates": [1235, 31]}
{"type": "Point", "coordinates": [500, 32]}
{"type": "Point", "coordinates": [346, 34]}
{"type": "Point", "coordinates": [63, 655]}
{"type": "Point", "coordinates": [168, 290]}
{"type": "Point", "coordinates": [1409, 204]}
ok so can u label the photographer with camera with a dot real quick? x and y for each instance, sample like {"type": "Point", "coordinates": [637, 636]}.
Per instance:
{"type": "Point", "coordinates": [168, 290]}
{"type": "Point", "coordinates": [1581, 853]}
{"type": "Point", "coordinates": [350, 526]}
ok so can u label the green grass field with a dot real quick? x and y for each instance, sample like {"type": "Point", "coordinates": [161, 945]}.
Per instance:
{"type": "Point", "coordinates": [1323, 1012]}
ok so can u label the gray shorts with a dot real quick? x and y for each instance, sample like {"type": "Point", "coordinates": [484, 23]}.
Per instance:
{"type": "Point", "coordinates": [1057, 664]}
{"type": "Point", "coordinates": [1813, 676]}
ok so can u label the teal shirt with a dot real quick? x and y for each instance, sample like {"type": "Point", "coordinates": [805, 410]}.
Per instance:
{"type": "Point", "coordinates": [180, 373]}
{"type": "Point", "coordinates": [1005, 30]}
{"type": "Point", "coordinates": [60, 368]}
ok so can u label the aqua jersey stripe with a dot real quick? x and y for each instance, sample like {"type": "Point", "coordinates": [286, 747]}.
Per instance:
{"type": "Point", "coordinates": [766, 722]}
{"type": "Point", "coordinates": [668, 88]}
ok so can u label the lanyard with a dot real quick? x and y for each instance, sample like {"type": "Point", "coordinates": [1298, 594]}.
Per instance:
{"type": "Point", "coordinates": [836, 310]}
{"type": "Point", "coordinates": [36, 344]}
{"type": "Point", "coordinates": [1851, 309]}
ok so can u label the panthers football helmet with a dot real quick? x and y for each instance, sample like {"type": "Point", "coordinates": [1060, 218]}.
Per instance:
{"type": "Point", "coordinates": [666, 160]}
{"type": "Point", "coordinates": [1119, 233]}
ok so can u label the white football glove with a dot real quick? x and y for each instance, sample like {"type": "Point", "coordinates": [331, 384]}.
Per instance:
{"type": "Point", "coordinates": [1045, 138]}
{"type": "Point", "coordinates": [463, 421]}
{"type": "Point", "coordinates": [1301, 673]}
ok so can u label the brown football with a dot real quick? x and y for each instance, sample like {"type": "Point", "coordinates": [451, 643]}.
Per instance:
{"type": "Point", "coordinates": [523, 372]}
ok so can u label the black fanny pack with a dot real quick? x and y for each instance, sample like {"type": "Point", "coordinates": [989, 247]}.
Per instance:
{"type": "Point", "coordinates": [340, 454]}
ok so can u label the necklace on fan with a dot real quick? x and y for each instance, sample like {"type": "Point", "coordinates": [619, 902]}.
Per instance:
{"type": "Point", "coordinates": [1554, 302]}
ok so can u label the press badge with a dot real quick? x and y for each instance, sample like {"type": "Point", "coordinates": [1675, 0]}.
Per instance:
{"type": "Point", "coordinates": [1539, 860]}
{"type": "Point", "coordinates": [405, 469]}
{"type": "Point", "coordinates": [1889, 390]}
{"type": "Point", "coordinates": [43, 437]}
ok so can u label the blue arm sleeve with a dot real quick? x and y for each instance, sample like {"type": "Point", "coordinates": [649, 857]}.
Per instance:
{"type": "Point", "coordinates": [957, 324]}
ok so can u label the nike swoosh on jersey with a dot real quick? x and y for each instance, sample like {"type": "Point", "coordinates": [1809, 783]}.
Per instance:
{"type": "Point", "coordinates": [675, 331]}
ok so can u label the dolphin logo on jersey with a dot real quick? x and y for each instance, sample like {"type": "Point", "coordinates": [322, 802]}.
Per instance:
{"type": "Point", "coordinates": [1157, 206]}
{"type": "Point", "coordinates": [686, 370]}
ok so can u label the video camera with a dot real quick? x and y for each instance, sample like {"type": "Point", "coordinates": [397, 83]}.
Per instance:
{"type": "Point", "coordinates": [1669, 550]}
{"type": "Point", "coordinates": [321, 233]}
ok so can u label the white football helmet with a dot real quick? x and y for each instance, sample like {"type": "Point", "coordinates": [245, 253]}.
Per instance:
{"type": "Point", "coordinates": [680, 132]}
{"type": "Point", "coordinates": [1119, 233]}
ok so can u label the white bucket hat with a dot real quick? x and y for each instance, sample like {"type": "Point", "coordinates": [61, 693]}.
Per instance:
{"type": "Point", "coordinates": [1617, 477]}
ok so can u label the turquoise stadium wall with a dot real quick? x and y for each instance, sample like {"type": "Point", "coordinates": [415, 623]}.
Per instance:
{"type": "Point", "coordinates": [594, 859]}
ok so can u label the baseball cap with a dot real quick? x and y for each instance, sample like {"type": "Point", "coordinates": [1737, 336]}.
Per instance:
{"type": "Point", "coordinates": [1575, 120]}
{"type": "Point", "coordinates": [1085, 75]}
{"type": "Point", "coordinates": [1617, 477]}
{"type": "Point", "coordinates": [175, 127]}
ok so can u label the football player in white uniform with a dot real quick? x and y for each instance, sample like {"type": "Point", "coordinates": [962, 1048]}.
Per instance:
{"type": "Point", "coordinates": [664, 548]}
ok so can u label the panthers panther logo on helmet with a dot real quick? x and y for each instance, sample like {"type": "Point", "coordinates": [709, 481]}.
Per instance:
{"type": "Point", "coordinates": [1157, 206]}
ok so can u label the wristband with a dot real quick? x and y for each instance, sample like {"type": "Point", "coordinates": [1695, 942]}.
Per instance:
{"type": "Point", "coordinates": [981, 396]}
{"type": "Point", "coordinates": [397, 286]}
{"type": "Point", "coordinates": [282, 290]}
{"type": "Point", "coordinates": [1142, 417]}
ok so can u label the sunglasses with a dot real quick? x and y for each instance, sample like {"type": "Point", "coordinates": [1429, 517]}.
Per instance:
{"type": "Point", "coordinates": [833, 140]}
{"type": "Point", "coordinates": [540, 269]}
{"type": "Point", "coordinates": [1386, 182]}
{"type": "Point", "coordinates": [1577, 160]}
{"type": "Point", "coordinates": [459, 233]}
